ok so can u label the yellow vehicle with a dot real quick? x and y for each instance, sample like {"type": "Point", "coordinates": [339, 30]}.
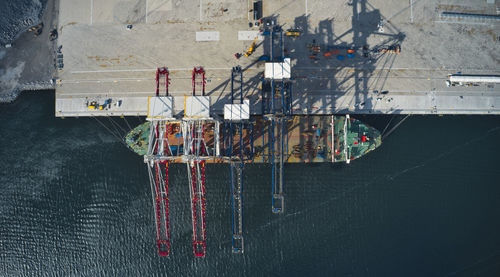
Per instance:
{"type": "Point", "coordinates": [92, 105]}
{"type": "Point", "coordinates": [393, 49]}
{"type": "Point", "coordinates": [292, 33]}
{"type": "Point", "coordinates": [252, 47]}
{"type": "Point", "coordinates": [36, 29]}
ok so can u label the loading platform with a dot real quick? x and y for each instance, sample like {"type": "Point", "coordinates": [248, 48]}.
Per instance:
{"type": "Point", "coordinates": [348, 58]}
{"type": "Point", "coordinates": [105, 60]}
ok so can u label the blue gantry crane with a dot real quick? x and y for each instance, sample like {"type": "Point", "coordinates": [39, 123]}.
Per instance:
{"type": "Point", "coordinates": [277, 108]}
{"type": "Point", "coordinates": [238, 149]}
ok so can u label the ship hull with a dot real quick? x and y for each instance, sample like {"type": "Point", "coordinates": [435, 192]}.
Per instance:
{"type": "Point", "coordinates": [307, 139]}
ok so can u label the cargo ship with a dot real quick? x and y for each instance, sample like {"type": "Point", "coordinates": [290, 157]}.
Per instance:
{"type": "Point", "coordinates": [309, 139]}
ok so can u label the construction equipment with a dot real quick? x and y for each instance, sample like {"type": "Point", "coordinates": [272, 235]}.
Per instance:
{"type": "Point", "coordinates": [37, 29]}
{"type": "Point", "coordinates": [252, 47]}
{"type": "Point", "coordinates": [292, 33]}
{"type": "Point", "coordinates": [393, 49]}
{"type": "Point", "coordinates": [92, 105]}
{"type": "Point", "coordinates": [332, 52]}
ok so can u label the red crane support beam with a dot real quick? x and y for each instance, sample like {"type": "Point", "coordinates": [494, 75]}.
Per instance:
{"type": "Point", "coordinates": [198, 183]}
{"type": "Point", "coordinates": [162, 201]}
{"type": "Point", "coordinates": [199, 243]}
{"type": "Point", "coordinates": [162, 210]}
{"type": "Point", "coordinates": [199, 79]}
{"type": "Point", "coordinates": [162, 74]}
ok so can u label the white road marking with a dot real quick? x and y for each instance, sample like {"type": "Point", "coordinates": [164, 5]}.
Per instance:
{"type": "Point", "coordinates": [133, 93]}
{"type": "Point", "coordinates": [463, 22]}
{"type": "Point", "coordinates": [411, 11]}
{"type": "Point", "coordinates": [146, 11]}
{"type": "Point", "coordinates": [117, 70]}
{"type": "Point", "coordinates": [207, 36]}
{"type": "Point", "coordinates": [249, 35]}
{"type": "Point", "coordinates": [394, 93]}
{"type": "Point", "coordinates": [91, 11]}
{"type": "Point", "coordinates": [397, 68]}
{"type": "Point", "coordinates": [151, 70]}
{"type": "Point", "coordinates": [200, 10]}
{"type": "Point", "coordinates": [296, 68]}
{"type": "Point", "coordinates": [306, 7]}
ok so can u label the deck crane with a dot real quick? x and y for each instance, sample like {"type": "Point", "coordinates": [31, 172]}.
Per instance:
{"type": "Point", "coordinates": [276, 107]}
{"type": "Point", "coordinates": [182, 140]}
{"type": "Point", "coordinates": [237, 149]}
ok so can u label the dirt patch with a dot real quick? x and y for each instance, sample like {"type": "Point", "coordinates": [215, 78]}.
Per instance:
{"type": "Point", "coordinates": [493, 35]}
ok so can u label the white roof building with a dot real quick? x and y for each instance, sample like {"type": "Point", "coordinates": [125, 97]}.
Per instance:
{"type": "Point", "coordinates": [278, 71]}
{"type": "Point", "coordinates": [237, 112]}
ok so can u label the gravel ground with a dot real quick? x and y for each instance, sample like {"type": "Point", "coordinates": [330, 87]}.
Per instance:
{"type": "Point", "coordinates": [17, 16]}
{"type": "Point", "coordinates": [28, 64]}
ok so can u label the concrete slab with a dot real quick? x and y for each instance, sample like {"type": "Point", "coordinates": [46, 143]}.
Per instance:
{"type": "Point", "coordinates": [207, 36]}
{"type": "Point", "coordinates": [104, 59]}
{"type": "Point", "coordinates": [119, 12]}
{"type": "Point", "coordinates": [250, 35]}
{"type": "Point", "coordinates": [74, 12]}
{"type": "Point", "coordinates": [75, 107]}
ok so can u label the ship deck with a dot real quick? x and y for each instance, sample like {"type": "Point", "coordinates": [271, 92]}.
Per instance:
{"type": "Point", "coordinates": [308, 139]}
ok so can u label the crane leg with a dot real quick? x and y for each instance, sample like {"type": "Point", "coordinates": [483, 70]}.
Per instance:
{"type": "Point", "coordinates": [162, 211]}
{"type": "Point", "coordinates": [236, 188]}
{"type": "Point", "coordinates": [197, 178]}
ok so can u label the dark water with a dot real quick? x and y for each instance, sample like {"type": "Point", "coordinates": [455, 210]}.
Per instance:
{"type": "Point", "coordinates": [76, 202]}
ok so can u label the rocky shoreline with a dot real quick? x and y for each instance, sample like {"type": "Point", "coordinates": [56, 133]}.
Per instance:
{"type": "Point", "coordinates": [27, 62]}
{"type": "Point", "coordinates": [18, 16]}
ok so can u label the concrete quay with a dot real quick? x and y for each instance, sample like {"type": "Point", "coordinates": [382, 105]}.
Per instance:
{"type": "Point", "coordinates": [105, 60]}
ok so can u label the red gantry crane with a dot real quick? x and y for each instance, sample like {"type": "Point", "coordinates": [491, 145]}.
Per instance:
{"type": "Point", "coordinates": [180, 140]}
{"type": "Point", "coordinates": [158, 169]}
{"type": "Point", "coordinates": [195, 148]}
